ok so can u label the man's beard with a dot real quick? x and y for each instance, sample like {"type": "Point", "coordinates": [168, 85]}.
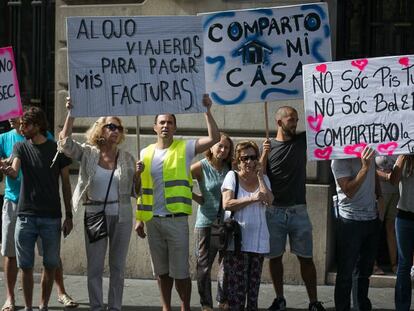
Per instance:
{"type": "Point", "coordinates": [288, 132]}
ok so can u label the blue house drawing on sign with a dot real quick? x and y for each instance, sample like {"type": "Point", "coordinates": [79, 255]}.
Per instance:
{"type": "Point", "coordinates": [254, 52]}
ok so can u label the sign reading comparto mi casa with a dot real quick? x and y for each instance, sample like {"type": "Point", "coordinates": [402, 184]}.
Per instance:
{"type": "Point", "coordinates": [356, 103]}
{"type": "Point", "coordinates": [135, 65]}
{"type": "Point", "coordinates": [10, 103]}
{"type": "Point", "coordinates": [257, 55]}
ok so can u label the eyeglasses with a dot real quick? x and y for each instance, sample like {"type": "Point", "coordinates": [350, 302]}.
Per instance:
{"type": "Point", "coordinates": [112, 127]}
{"type": "Point", "coordinates": [248, 157]}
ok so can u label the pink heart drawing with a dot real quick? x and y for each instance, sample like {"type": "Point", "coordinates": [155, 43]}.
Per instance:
{"type": "Point", "coordinates": [360, 63]}
{"type": "Point", "coordinates": [388, 148]}
{"type": "Point", "coordinates": [324, 153]}
{"type": "Point", "coordinates": [315, 123]}
{"type": "Point", "coordinates": [404, 61]}
{"type": "Point", "coordinates": [355, 149]}
{"type": "Point", "coordinates": [321, 68]}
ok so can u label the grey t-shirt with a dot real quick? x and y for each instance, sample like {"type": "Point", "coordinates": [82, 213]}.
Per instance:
{"type": "Point", "coordinates": [39, 192]}
{"type": "Point", "coordinates": [286, 169]}
{"type": "Point", "coordinates": [363, 205]}
{"type": "Point", "coordinates": [406, 192]}
{"type": "Point", "coordinates": [385, 164]}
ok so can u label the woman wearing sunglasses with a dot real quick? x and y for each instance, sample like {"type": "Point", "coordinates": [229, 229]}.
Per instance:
{"type": "Point", "coordinates": [106, 182]}
{"type": "Point", "coordinates": [244, 268]}
{"type": "Point", "coordinates": [210, 173]}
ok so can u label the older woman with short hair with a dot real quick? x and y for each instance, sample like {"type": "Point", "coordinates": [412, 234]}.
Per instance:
{"type": "Point", "coordinates": [249, 204]}
{"type": "Point", "coordinates": [100, 157]}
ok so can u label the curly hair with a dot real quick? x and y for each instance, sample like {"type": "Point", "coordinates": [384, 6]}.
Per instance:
{"type": "Point", "coordinates": [209, 155]}
{"type": "Point", "coordinates": [36, 116]}
{"type": "Point", "coordinates": [94, 133]}
{"type": "Point", "coordinates": [243, 145]}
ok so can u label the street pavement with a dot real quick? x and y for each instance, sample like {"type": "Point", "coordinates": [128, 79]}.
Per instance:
{"type": "Point", "coordinates": [143, 295]}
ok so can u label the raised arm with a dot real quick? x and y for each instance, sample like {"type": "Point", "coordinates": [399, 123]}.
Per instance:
{"type": "Point", "coordinates": [265, 154]}
{"type": "Point", "coordinates": [395, 176]}
{"type": "Point", "coordinates": [68, 126]}
{"type": "Point", "coordinates": [197, 173]}
{"type": "Point", "coordinates": [263, 188]}
{"type": "Point", "coordinates": [203, 143]}
{"type": "Point", "coordinates": [139, 168]}
{"type": "Point", "coordinates": [350, 185]}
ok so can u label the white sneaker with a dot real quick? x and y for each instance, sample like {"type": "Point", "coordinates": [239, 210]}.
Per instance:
{"type": "Point", "coordinates": [412, 273]}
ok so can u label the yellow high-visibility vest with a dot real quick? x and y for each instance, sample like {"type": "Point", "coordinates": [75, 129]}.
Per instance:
{"type": "Point", "coordinates": [177, 183]}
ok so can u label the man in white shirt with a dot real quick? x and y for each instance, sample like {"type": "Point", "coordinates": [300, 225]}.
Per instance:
{"type": "Point", "coordinates": [165, 202]}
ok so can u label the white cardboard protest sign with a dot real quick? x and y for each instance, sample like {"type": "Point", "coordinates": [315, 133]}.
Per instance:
{"type": "Point", "coordinates": [135, 65]}
{"type": "Point", "coordinates": [256, 55]}
{"type": "Point", "coordinates": [354, 103]}
{"type": "Point", "coordinates": [10, 102]}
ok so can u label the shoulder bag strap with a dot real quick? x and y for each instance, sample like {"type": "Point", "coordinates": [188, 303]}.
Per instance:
{"type": "Point", "coordinates": [110, 180]}
{"type": "Point", "coordinates": [236, 190]}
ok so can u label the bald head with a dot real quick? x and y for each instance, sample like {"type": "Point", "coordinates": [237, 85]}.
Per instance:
{"type": "Point", "coordinates": [287, 121]}
{"type": "Point", "coordinates": [284, 111]}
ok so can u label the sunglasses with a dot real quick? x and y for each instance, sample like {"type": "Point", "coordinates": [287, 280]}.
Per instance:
{"type": "Point", "coordinates": [248, 157]}
{"type": "Point", "coordinates": [112, 127]}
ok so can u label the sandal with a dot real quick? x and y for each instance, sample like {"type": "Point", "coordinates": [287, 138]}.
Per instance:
{"type": "Point", "coordinates": [67, 301]}
{"type": "Point", "coordinates": [8, 306]}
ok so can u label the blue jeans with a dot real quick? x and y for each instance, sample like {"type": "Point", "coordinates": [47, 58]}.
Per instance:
{"type": "Point", "coordinates": [404, 230]}
{"type": "Point", "coordinates": [357, 245]}
{"type": "Point", "coordinates": [28, 229]}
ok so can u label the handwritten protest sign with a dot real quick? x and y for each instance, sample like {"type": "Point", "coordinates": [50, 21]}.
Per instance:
{"type": "Point", "coordinates": [10, 103]}
{"type": "Point", "coordinates": [353, 103]}
{"type": "Point", "coordinates": [135, 65]}
{"type": "Point", "coordinates": [257, 55]}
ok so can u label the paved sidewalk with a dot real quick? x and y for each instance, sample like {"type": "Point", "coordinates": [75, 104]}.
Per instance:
{"type": "Point", "coordinates": [143, 295]}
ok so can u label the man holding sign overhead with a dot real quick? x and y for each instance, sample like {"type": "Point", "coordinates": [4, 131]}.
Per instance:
{"type": "Point", "coordinates": [166, 201]}
{"type": "Point", "coordinates": [285, 160]}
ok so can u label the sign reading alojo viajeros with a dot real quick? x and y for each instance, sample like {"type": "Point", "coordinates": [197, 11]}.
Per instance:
{"type": "Point", "coordinates": [135, 65]}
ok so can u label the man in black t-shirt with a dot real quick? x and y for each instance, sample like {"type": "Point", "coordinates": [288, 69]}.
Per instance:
{"type": "Point", "coordinates": [39, 209]}
{"type": "Point", "coordinates": [285, 161]}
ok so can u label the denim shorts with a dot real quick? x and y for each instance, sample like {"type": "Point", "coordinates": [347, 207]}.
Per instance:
{"type": "Point", "coordinates": [292, 221]}
{"type": "Point", "coordinates": [28, 229]}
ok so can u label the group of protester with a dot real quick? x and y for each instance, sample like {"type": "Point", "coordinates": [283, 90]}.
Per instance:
{"type": "Point", "coordinates": [264, 191]}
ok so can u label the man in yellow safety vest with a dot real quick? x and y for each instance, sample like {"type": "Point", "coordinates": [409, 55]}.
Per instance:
{"type": "Point", "coordinates": [166, 201]}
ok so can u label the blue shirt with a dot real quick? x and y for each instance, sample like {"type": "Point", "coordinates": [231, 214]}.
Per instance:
{"type": "Point", "coordinates": [210, 188]}
{"type": "Point", "coordinates": [7, 141]}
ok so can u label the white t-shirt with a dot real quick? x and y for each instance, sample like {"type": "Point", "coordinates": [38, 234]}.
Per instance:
{"type": "Point", "coordinates": [252, 218]}
{"type": "Point", "coordinates": [156, 173]}
{"type": "Point", "coordinates": [97, 191]}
